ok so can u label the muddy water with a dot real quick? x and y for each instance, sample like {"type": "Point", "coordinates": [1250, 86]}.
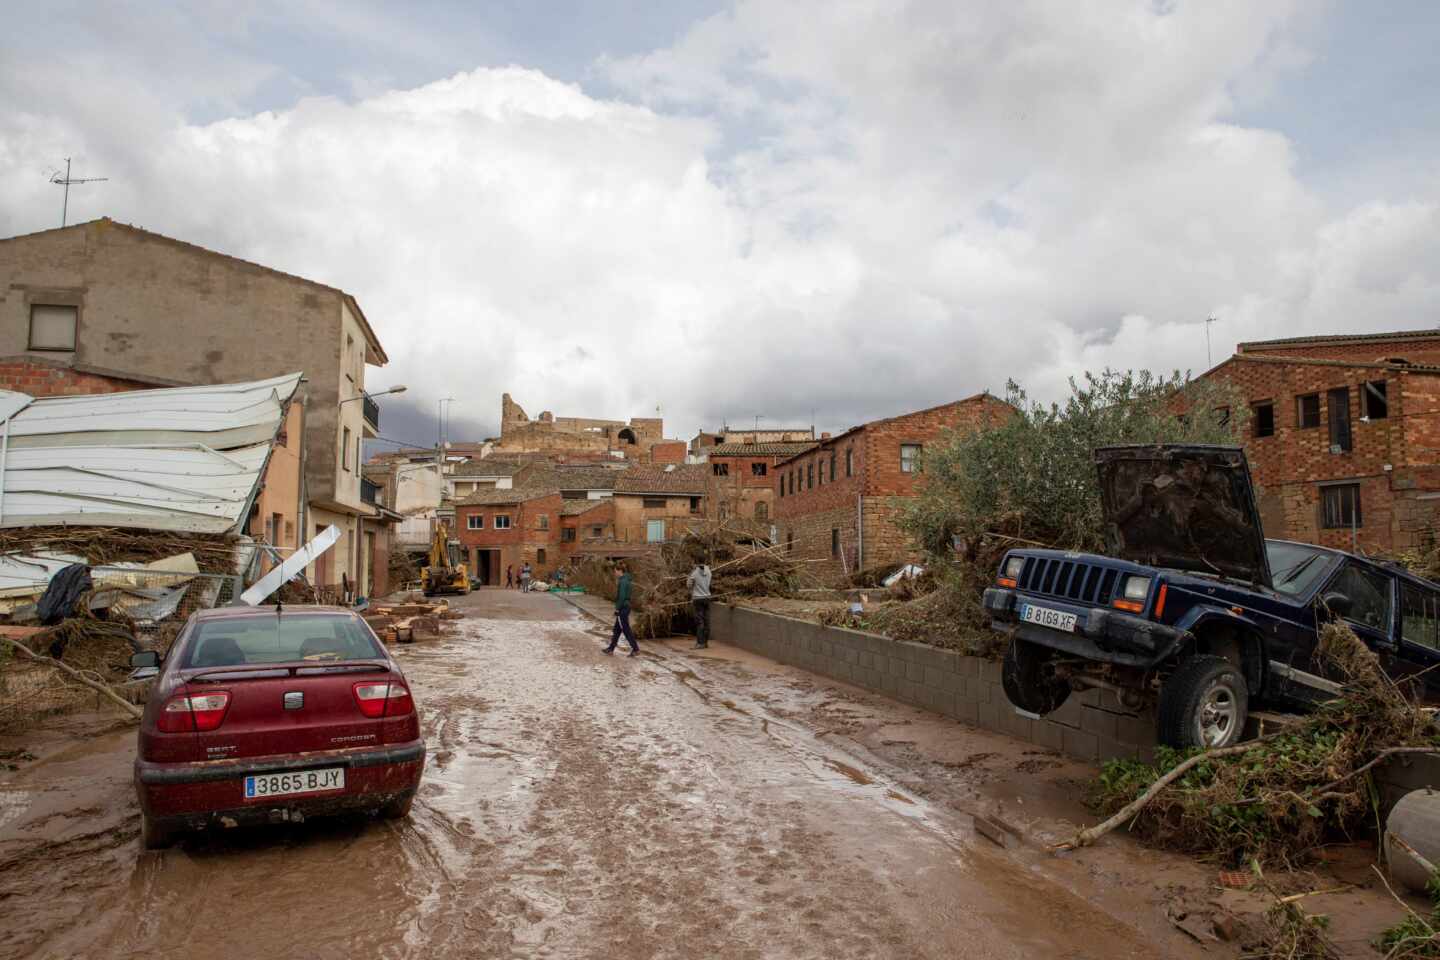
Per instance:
{"type": "Point", "coordinates": [573, 805]}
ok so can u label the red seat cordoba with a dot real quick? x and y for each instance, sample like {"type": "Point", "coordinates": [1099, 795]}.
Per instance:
{"type": "Point", "coordinates": [265, 715]}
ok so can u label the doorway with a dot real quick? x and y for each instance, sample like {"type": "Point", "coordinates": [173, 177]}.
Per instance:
{"type": "Point", "coordinates": [487, 567]}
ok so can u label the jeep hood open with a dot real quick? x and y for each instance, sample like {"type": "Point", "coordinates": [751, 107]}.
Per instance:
{"type": "Point", "coordinates": [1183, 506]}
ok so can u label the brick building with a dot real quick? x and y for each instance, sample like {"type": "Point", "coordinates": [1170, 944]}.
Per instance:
{"type": "Point", "coordinates": [1344, 447]}
{"type": "Point", "coordinates": [705, 440]}
{"type": "Point", "coordinates": [585, 525]}
{"type": "Point", "coordinates": [509, 528]}
{"type": "Point", "coordinates": [836, 504]}
{"type": "Point", "coordinates": [742, 480]}
{"type": "Point", "coordinates": [658, 503]}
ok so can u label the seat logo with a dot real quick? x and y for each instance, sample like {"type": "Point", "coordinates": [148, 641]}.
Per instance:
{"type": "Point", "coordinates": [294, 699]}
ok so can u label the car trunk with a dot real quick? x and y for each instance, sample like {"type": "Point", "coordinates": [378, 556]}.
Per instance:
{"type": "Point", "coordinates": [1183, 506]}
{"type": "Point", "coordinates": [289, 709]}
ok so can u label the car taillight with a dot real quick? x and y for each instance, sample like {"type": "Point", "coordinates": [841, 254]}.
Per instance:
{"type": "Point", "coordinates": [388, 699]}
{"type": "Point", "coordinates": [186, 714]}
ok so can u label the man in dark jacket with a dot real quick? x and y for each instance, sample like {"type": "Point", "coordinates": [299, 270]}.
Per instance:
{"type": "Point", "coordinates": [622, 611]}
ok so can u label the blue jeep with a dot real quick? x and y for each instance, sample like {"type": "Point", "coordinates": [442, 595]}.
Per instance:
{"type": "Point", "coordinates": [1193, 609]}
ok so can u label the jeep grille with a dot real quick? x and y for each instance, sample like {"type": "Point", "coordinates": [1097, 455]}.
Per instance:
{"type": "Point", "coordinates": [1068, 579]}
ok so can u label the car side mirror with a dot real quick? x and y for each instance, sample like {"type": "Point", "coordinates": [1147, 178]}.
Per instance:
{"type": "Point", "coordinates": [145, 658]}
{"type": "Point", "coordinates": [1337, 604]}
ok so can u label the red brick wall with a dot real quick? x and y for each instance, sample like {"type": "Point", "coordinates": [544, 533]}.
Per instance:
{"type": "Point", "coordinates": [1394, 457]}
{"type": "Point", "coordinates": [40, 379]}
{"type": "Point", "coordinates": [668, 451]}
{"type": "Point", "coordinates": [816, 509]}
{"type": "Point", "coordinates": [583, 524]}
{"type": "Point", "coordinates": [523, 540]}
{"type": "Point", "coordinates": [1423, 350]}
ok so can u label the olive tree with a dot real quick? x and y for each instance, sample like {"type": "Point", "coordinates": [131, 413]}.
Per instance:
{"type": "Point", "coordinates": [1032, 476]}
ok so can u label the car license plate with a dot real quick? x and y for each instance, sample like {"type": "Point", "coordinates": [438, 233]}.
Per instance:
{"type": "Point", "coordinates": [1046, 617]}
{"type": "Point", "coordinates": [287, 784]}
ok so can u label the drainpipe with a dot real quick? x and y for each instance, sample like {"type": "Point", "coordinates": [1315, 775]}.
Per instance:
{"type": "Point", "coordinates": [302, 512]}
{"type": "Point", "coordinates": [859, 532]}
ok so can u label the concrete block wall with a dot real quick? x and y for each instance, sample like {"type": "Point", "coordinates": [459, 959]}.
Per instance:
{"type": "Point", "coordinates": [1091, 726]}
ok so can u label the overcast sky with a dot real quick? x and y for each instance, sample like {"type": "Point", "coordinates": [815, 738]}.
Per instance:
{"type": "Point", "coordinates": [729, 210]}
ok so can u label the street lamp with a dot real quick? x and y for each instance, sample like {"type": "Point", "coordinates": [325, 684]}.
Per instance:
{"type": "Point", "coordinates": [399, 388]}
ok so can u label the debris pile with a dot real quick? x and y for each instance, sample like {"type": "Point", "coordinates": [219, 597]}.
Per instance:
{"type": "Point", "coordinates": [408, 622]}
{"type": "Point", "coordinates": [1276, 799]}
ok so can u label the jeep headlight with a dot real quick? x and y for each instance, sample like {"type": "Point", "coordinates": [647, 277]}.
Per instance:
{"type": "Point", "coordinates": [1137, 588]}
{"type": "Point", "coordinates": [1013, 566]}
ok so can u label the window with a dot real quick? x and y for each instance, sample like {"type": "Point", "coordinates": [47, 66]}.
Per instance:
{"type": "Point", "coordinates": [1307, 411]}
{"type": "Point", "coordinates": [910, 457]}
{"type": "Point", "coordinates": [653, 503]}
{"type": "Point", "coordinates": [1338, 402]}
{"type": "Point", "coordinates": [345, 449]}
{"type": "Point", "coordinates": [849, 461]}
{"type": "Point", "coordinates": [782, 484]}
{"type": "Point", "coordinates": [1265, 419]}
{"type": "Point", "coordinates": [757, 469]}
{"type": "Point", "coordinates": [1369, 595]}
{"type": "Point", "coordinates": [1376, 404]}
{"type": "Point", "coordinates": [567, 535]}
{"type": "Point", "coordinates": [475, 521]}
{"type": "Point", "coordinates": [694, 504]}
{"type": "Point", "coordinates": [820, 480]}
{"type": "Point", "coordinates": [762, 511]}
{"type": "Point", "coordinates": [540, 555]}
{"type": "Point", "coordinates": [1222, 416]}
{"type": "Point", "coordinates": [792, 483]}
{"type": "Point", "coordinates": [543, 523]}
{"type": "Point", "coordinates": [654, 531]}
{"type": "Point", "coordinates": [810, 476]}
{"type": "Point", "coordinates": [720, 469]}
{"type": "Point", "coordinates": [832, 466]}
{"type": "Point", "coordinates": [233, 642]}
{"type": "Point", "coordinates": [834, 542]}
{"type": "Point", "coordinates": [790, 541]}
{"type": "Point", "coordinates": [1419, 615]}
{"type": "Point", "coordinates": [724, 509]}
{"type": "Point", "coordinates": [597, 531]}
{"type": "Point", "coordinates": [1340, 506]}
{"type": "Point", "coordinates": [52, 327]}
{"type": "Point", "coordinates": [502, 521]}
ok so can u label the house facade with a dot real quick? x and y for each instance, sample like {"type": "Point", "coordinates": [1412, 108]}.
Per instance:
{"type": "Point", "coordinates": [742, 481]}
{"type": "Point", "coordinates": [501, 529]}
{"type": "Point", "coordinates": [129, 303]}
{"type": "Point", "coordinates": [654, 503]}
{"type": "Point", "coordinates": [1344, 451]}
{"type": "Point", "coordinates": [838, 504]}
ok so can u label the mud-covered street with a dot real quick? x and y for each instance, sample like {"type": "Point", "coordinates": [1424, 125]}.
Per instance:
{"type": "Point", "coordinates": [573, 805]}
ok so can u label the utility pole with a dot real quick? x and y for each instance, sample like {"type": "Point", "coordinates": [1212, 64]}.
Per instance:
{"type": "Point", "coordinates": [1208, 361]}
{"type": "Point", "coordinates": [758, 418]}
{"type": "Point", "coordinates": [440, 422]}
{"type": "Point", "coordinates": [65, 182]}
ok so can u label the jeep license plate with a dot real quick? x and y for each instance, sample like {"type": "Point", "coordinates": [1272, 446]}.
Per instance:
{"type": "Point", "coordinates": [1046, 617]}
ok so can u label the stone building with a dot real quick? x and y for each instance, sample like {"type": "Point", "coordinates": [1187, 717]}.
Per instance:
{"type": "Point", "coordinates": [108, 299]}
{"type": "Point", "coordinates": [550, 434]}
{"type": "Point", "coordinates": [654, 504]}
{"type": "Point", "coordinates": [1343, 439]}
{"type": "Point", "coordinates": [705, 440]}
{"type": "Point", "coordinates": [838, 503]}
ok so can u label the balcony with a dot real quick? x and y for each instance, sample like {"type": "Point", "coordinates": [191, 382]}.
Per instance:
{"type": "Point", "coordinates": [369, 492]}
{"type": "Point", "coordinates": [371, 411]}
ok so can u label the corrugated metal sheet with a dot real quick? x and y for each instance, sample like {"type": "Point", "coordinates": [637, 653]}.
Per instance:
{"type": "Point", "coordinates": [188, 458]}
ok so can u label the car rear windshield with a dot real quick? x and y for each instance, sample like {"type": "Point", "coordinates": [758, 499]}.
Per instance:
{"type": "Point", "coordinates": [280, 639]}
{"type": "Point", "coordinates": [1294, 567]}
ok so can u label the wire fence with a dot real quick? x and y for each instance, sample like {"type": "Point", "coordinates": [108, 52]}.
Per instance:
{"type": "Point", "coordinates": [158, 602]}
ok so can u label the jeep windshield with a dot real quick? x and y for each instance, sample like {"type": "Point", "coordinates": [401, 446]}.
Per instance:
{"type": "Point", "coordinates": [1296, 567]}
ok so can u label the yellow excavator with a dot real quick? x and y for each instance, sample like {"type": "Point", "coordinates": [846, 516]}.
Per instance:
{"type": "Point", "coordinates": [445, 573]}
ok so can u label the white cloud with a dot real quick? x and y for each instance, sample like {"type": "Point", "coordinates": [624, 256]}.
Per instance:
{"type": "Point", "coordinates": [855, 208]}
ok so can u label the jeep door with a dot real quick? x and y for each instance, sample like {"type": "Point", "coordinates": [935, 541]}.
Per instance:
{"type": "Point", "coordinates": [1418, 653]}
{"type": "Point", "coordinates": [1369, 610]}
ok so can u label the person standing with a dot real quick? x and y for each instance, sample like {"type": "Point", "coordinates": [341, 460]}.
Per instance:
{"type": "Point", "coordinates": [699, 583]}
{"type": "Point", "coordinates": [510, 577]}
{"type": "Point", "coordinates": [622, 611]}
{"type": "Point", "coordinates": [525, 576]}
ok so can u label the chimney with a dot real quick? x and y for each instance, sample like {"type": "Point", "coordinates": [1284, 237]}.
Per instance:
{"type": "Point", "coordinates": [824, 436]}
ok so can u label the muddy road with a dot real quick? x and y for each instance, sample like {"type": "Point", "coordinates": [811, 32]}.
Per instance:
{"type": "Point", "coordinates": [573, 805]}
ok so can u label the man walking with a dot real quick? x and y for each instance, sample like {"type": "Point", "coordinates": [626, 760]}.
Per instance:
{"type": "Point", "coordinates": [699, 583]}
{"type": "Point", "coordinates": [525, 576]}
{"type": "Point", "coordinates": [622, 611]}
{"type": "Point", "coordinates": [510, 577]}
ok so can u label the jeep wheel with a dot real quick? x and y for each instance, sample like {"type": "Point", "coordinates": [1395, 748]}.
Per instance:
{"type": "Point", "coordinates": [1205, 703]}
{"type": "Point", "coordinates": [1028, 680]}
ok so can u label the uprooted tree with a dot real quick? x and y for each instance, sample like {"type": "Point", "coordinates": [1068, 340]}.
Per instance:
{"type": "Point", "coordinates": [1033, 476]}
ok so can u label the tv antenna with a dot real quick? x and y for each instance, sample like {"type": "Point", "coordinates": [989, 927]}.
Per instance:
{"type": "Point", "coordinates": [1209, 321]}
{"type": "Point", "coordinates": [65, 182]}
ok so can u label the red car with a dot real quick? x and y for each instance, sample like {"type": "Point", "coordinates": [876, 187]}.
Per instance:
{"type": "Point", "coordinates": [265, 715]}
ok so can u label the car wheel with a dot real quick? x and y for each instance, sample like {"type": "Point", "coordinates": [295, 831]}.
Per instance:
{"type": "Point", "coordinates": [1028, 680]}
{"type": "Point", "coordinates": [155, 836]}
{"type": "Point", "coordinates": [398, 809]}
{"type": "Point", "coordinates": [1205, 703]}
